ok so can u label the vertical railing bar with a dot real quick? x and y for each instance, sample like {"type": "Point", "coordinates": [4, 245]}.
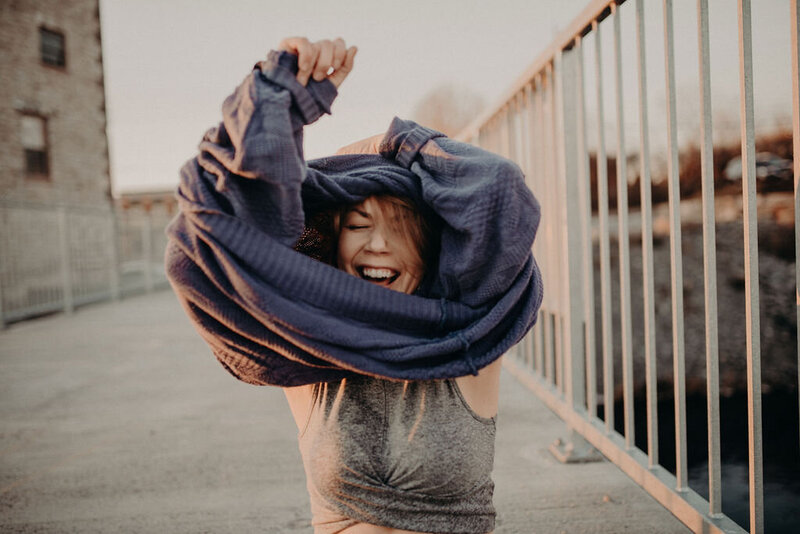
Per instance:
{"type": "Point", "coordinates": [114, 252]}
{"type": "Point", "coordinates": [558, 370]}
{"type": "Point", "coordinates": [751, 270]}
{"type": "Point", "coordinates": [3, 214]}
{"type": "Point", "coordinates": [147, 246]}
{"type": "Point", "coordinates": [547, 176]}
{"type": "Point", "coordinates": [525, 118]}
{"type": "Point", "coordinates": [65, 256]}
{"type": "Point", "coordinates": [795, 26]}
{"type": "Point", "coordinates": [651, 378]}
{"type": "Point", "coordinates": [508, 126]}
{"type": "Point", "coordinates": [525, 125]}
{"type": "Point", "coordinates": [511, 121]}
{"type": "Point", "coordinates": [709, 265]}
{"type": "Point", "coordinates": [605, 260]}
{"type": "Point", "coordinates": [525, 133]}
{"type": "Point", "coordinates": [573, 365]}
{"type": "Point", "coordinates": [539, 353]}
{"type": "Point", "coordinates": [584, 183]}
{"type": "Point", "coordinates": [556, 129]}
{"type": "Point", "coordinates": [540, 170]}
{"type": "Point", "coordinates": [498, 134]}
{"type": "Point", "coordinates": [536, 164]}
{"type": "Point", "coordinates": [505, 133]}
{"type": "Point", "coordinates": [521, 99]}
{"type": "Point", "coordinates": [676, 259]}
{"type": "Point", "coordinates": [517, 130]}
{"type": "Point", "coordinates": [490, 134]}
{"type": "Point", "coordinates": [623, 242]}
{"type": "Point", "coordinates": [548, 347]}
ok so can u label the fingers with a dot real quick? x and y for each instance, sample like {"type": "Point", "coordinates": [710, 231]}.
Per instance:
{"type": "Point", "coordinates": [338, 76]}
{"type": "Point", "coordinates": [324, 60]}
{"type": "Point", "coordinates": [339, 53]}
{"type": "Point", "coordinates": [306, 52]}
{"type": "Point", "coordinates": [321, 59]}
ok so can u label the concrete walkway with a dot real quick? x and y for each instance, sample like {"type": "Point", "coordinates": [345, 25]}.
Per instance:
{"type": "Point", "coordinates": [118, 419]}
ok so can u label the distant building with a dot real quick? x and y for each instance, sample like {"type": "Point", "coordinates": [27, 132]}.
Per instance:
{"type": "Point", "coordinates": [53, 145]}
{"type": "Point", "coordinates": [57, 224]}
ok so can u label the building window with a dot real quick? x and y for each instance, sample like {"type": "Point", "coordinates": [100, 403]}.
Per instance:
{"type": "Point", "coordinates": [52, 47]}
{"type": "Point", "coordinates": [34, 142]}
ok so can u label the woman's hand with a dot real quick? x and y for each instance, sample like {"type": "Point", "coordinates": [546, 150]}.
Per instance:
{"type": "Point", "coordinates": [320, 59]}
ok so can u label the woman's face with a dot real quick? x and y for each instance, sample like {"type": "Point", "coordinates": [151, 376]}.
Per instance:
{"type": "Point", "coordinates": [373, 246]}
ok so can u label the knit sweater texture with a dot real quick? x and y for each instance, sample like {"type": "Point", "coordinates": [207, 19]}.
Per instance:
{"type": "Point", "coordinates": [273, 315]}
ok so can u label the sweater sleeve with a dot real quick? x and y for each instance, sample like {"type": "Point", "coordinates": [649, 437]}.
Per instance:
{"type": "Point", "coordinates": [251, 165]}
{"type": "Point", "coordinates": [242, 193]}
{"type": "Point", "coordinates": [489, 215]}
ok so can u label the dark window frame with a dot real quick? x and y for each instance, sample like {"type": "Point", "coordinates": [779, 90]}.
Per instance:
{"type": "Point", "coordinates": [37, 161]}
{"type": "Point", "coordinates": [56, 55]}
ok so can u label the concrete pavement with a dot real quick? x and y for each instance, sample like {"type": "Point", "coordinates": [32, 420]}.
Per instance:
{"type": "Point", "coordinates": [118, 419]}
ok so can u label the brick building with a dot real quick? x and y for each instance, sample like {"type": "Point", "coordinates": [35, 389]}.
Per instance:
{"type": "Point", "coordinates": [57, 225]}
{"type": "Point", "coordinates": [53, 145]}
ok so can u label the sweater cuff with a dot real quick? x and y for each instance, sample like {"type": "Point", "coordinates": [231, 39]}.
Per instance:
{"type": "Point", "coordinates": [313, 100]}
{"type": "Point", "coordinates": [404, 140]}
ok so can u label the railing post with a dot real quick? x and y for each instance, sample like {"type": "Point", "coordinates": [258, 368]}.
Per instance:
{"type": "Point", "coordinates": [114, 251]}
{"type": "Point", "coordinates": [2, 255]}
{"type": "Point", "coordinates": [709, 266]}
{"type": "Point", "coordinates": [66, 267]}
{"type": "Point", "coordinates": [752, 325]}
{"type": "Point", "coordinates": [585, 204]}
{"type": "Point", "coordinates": [795, 26]}
{"type": "Point", "coordinates": [575, 448]}
{"type": "Point", "coordinates": [676, 257]}
{"type": "Point", "coordinates": [648, 281]}
{"type": "Point", "coordinates": [147, 250]}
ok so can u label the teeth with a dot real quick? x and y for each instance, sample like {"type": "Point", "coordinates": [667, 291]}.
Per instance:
{"type": "Point", "coordinates": [378, 273]}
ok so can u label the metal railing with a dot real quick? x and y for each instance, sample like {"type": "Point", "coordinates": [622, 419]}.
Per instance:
{"type": "Point", "coordinates": [55, 258]}
{"type": "Point", "coordinates": [542, 124]}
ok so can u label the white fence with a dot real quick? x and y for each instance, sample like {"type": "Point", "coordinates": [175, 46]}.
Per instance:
{"type": "Point", "coordinates": [543, 125]}
{"type": "Point", "coordinates": [57, 258]}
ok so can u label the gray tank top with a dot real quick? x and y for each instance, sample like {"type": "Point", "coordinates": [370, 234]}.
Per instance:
{"type": "Point", "coordinates": [409, 455]}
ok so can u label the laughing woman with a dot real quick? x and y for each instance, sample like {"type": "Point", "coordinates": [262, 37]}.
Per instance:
{"type": "Point", "coordinates": [379, 287]}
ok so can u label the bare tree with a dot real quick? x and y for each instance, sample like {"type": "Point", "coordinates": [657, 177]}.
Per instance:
{"type": "Point", "coordinates": [448, 108]}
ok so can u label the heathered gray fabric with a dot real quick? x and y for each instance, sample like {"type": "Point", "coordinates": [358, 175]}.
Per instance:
{"type": "Point", "coordinates": [410, 455]}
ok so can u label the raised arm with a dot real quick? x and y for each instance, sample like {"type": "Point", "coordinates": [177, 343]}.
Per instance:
{"type": "Point", "coordinates": [256, 152]}
{"type": "Point", "coordinates": [490, 216]}
{"type": "Point", "coordinates": [240, 196]}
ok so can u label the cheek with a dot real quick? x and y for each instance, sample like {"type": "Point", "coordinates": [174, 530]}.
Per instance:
{"type": "Point", "coordinates": [345, 251]}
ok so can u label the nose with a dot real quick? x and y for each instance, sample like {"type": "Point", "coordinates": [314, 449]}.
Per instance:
{"type": "Point", "coordinates": [377, 242]}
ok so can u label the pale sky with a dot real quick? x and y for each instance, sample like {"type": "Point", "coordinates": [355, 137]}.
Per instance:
{"type": "Point", "coordinates": [169, 64]}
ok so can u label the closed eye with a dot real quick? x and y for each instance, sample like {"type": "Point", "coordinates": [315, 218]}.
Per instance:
{"type": "Point", "coordinates": [356, 226]}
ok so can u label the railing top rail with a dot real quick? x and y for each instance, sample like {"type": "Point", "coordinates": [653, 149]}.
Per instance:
{"type": "Point", "coordinates": [596, 10]}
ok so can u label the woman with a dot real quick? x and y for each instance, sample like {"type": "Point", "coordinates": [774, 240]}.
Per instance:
{"type": "Point", "coordinates": [389, 347]}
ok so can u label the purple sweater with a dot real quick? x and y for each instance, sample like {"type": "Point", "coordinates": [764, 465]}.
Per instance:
{"type": "Point", "coordinates": [272, 315]}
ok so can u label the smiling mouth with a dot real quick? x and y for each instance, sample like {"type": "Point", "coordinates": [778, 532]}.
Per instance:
{"type": "Point", "coordinates": [378, 275]}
